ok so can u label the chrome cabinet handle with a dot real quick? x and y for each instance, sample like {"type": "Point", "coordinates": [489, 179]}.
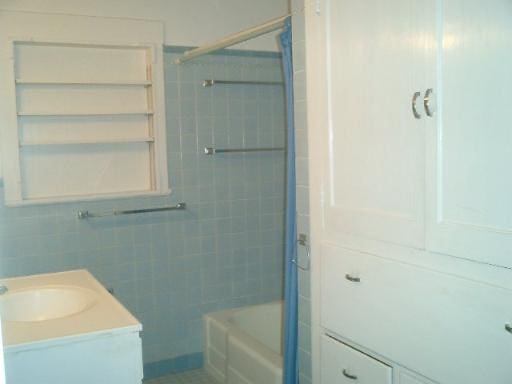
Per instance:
{"type": "Point", "coordinates": [508, 328]}
{"type": "Point", "coordinates": [348, 375]}
{"type": "Point", "coordinates": [352, 278]}
{"type": "Point", "coordinates": [414, 102]}
{"type": "Point", "coordinates": [426, 102]}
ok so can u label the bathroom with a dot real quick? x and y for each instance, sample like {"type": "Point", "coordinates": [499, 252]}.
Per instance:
{"type": "Point", "coordinates": [255, 192]}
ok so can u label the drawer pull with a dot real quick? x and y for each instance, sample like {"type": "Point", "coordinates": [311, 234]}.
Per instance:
{"type": "Point", "coordinates": [415, 112]}
{"type": "Point", "coordinates": [352, 278]}
{"type": "Point", "coordinates": [348, 375]}
{"type": "Point", "coordinates": [508, 328]}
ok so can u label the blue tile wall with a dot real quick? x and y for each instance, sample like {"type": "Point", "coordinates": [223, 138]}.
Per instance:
{"type": "Point", "coordinates": [168, 268]}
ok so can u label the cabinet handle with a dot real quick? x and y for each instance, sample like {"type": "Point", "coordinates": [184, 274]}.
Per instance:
{"type": "Point", "coordinates": [426, 102]}
{"type": "Point", "coordinates": [348, 375]}
{"type": "Point", "coordinates": [352, 278]}
{"type": "Point", "coordinates": [414, 102]}
{"type": "Point", "coordinates": [508, 328]}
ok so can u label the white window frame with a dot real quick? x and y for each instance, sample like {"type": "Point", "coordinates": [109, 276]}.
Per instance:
{"type": "Point", "coordinates": [156, 106]}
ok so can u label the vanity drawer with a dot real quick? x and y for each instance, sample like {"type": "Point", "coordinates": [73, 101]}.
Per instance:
{"type": "Point", "coordinates": [447, 328]}
{"type": "Point", "coordinates": [342, 364]}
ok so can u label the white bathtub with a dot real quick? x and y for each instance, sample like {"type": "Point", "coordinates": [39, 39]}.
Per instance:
{"type": "Point", "coordinates": [244, 345]}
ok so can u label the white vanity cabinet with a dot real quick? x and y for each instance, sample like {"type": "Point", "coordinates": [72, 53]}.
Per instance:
{"type": "Point", "coordinates": [411, 200]}
{"type": "Point", "coordinates": [66, 328]}
{"type": "Point", "coordinates": [112, 358]}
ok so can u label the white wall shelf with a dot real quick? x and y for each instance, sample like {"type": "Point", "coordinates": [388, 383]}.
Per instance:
{"type": "Point", "coordinates": [85, 113]}
{"type": "Point", "coordinates": [33, 143]}
{"type": "Point", "coordinates": [87, 119]}
{"type": "Point", "coordinates": [24, 81]}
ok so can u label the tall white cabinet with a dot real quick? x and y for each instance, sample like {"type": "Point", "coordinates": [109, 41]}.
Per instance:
{"type": "Point", "coordinates": [411, 197]}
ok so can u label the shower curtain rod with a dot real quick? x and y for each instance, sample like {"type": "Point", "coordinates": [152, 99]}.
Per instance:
{"type": "Point", "coordinates": [236, 38]}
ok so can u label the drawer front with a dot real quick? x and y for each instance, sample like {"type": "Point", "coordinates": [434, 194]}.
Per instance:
{"type": "Point", "coordinates": [433, 323]}
{"type": "Point", "coordinates": [344, 365]}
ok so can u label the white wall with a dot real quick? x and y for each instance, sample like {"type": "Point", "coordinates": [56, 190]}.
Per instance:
{"type": "Point", "coordinates": [187, 22]}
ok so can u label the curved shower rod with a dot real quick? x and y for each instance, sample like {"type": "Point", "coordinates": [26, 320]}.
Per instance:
{"type": "Point", "coordinates": [236, 38]}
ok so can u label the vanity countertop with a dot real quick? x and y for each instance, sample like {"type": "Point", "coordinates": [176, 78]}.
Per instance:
{"type": "Point", "coordinates": [104, 315]}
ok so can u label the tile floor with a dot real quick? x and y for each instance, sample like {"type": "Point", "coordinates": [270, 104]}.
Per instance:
{"type": "Point", "coordinates": [196, 376]}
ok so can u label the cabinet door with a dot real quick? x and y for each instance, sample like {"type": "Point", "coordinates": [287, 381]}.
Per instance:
{"type": "Point", "coordinates": [373, 159]}
{"type": "Point", "coordinates": [469, 183]}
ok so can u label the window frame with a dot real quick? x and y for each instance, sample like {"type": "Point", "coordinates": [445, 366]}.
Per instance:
{"type": "Point", "coordinates": [10, 129]}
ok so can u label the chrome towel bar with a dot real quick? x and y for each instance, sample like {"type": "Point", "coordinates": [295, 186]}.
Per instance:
{"type": "Point", "coordinates": [212, 82]}
{"type": "Point", "coordinates": [213, 151]}
{"type": "Point", "coordinates": [87, 214]}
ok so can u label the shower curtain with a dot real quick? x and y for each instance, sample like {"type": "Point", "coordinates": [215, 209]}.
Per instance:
{"type": "Point", "coordinates": [291, 374]}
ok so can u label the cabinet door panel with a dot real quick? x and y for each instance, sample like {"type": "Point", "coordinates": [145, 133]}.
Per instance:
{"type": "Point", "coordinates": [469, 197]}
{"type": "Point", "coordinates": [378, 56]}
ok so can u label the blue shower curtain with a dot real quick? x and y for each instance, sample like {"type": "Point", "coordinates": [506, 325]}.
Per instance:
{"type": "Point", "coordinates": [291, 374]}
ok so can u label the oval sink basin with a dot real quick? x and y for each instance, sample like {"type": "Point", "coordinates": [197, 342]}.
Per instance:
{"type": "Point", "coordinates": [45, 303]}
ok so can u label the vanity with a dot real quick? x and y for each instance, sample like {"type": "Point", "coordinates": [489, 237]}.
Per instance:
{"type": "Point", "coordinates": [67, 328]}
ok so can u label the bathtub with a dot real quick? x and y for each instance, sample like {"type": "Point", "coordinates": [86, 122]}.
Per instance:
{"type": "Point", "coordinates": [244, 345]}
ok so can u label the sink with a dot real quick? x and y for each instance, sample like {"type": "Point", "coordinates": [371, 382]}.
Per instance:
{"type": "Point", "coordinates": [45, 303]}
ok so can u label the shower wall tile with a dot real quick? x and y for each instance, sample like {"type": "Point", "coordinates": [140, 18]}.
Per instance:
{"type": "Point", "coordinates": [168, 268]}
